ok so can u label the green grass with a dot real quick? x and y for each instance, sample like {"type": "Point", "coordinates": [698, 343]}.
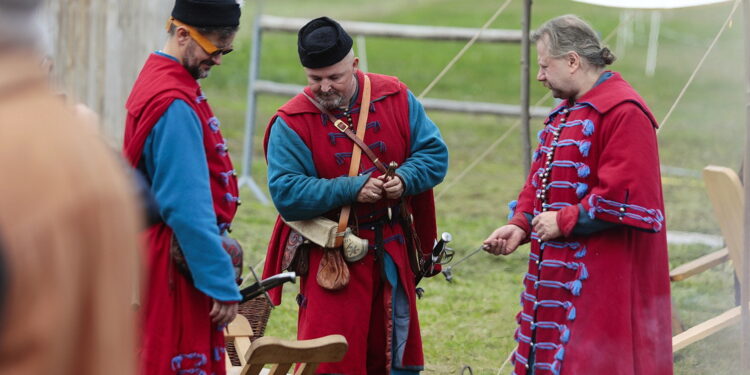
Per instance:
{"type": "Point", "coordinates": [470, 322]}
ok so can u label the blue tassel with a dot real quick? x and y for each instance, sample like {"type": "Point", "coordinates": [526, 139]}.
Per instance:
{"type": "Point", "coordinates": [583, 171]}
{"type": "Point", "coordinates": [584, 148]}
{"type": "Point", "coordinates": [539, 135]}
{"type": "Point", "coordinates": [572, 313]}
{"type": "Point", "coordinates": [560, 354]}
{"type": "Point", "coordinates": [177, 363]}
{"type": "Point", "coordinates": [588, 127]}
{"type": "Point", "coordinates": [575, 287]}
{"type": "Point", "coordinates": [565, 337]}
{"type": "Point", "coordinates": [584, 273]}
{"type": "Point", "coordinates": [535, 156]}
{"type": "Point", "coordinates": [512, 208]}
{"type": "Point", "coordinates": [581, 253]}
{"type": "Point", "coordinates": [581, 189]}
{"type": "Point", "coordinates": [592, 211]}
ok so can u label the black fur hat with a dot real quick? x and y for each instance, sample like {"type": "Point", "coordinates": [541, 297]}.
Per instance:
{"type": "Point", "coordinates": [322, 42]}
{"type": "Point", "coordinates": [207, 13]}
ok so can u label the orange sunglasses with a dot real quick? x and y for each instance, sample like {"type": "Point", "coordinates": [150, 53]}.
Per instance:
{"type": "Point", "coordinates": [202, 41]}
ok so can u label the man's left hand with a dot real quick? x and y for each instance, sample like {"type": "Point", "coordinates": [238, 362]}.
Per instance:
{"type": "Point", "coordinates": [393, 186]}
{"type": "Point", "coordinates": [545, 225]}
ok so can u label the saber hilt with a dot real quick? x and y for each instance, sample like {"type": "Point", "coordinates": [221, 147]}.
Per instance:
{"type": "Point", "coordinates": [440, 249]}
{"type": "Point", "coordinates": [264, 285]}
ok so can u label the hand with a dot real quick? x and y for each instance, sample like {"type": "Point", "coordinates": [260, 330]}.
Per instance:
{"type": "Point", "coordinates": [504, 240]}
{"type": "Point", "coordinates": [545, 225]}
{"type": "Point", "coordinates": [371, 192]}
{"type": "Point", "coordinates": [223, 313]}
{"type": "Point", "coordinates": [393, 186]}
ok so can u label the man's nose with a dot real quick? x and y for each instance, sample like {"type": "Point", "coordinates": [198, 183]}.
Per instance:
{"type": "Point", "coordinates": [540, 76]}
{"type": "Point", "coordinates": [216, 59]}
{"type": "Point", "coordinates": [325, 85]}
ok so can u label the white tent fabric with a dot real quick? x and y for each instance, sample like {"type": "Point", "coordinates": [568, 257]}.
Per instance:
{"type": "Point", "coordinates": [655, 5]}
{"type": "Point", "coordinates": [650, 4]}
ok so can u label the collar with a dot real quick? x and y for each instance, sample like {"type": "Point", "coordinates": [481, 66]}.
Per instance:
{"type": "Point", "coordinates": [607, 94]}
{"type": "Point", "coordinates": [161, 53]}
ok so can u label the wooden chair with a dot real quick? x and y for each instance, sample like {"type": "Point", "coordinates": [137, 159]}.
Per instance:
{"type": "Point", "coordinates": [725, 193]}
{"type": "Point", "coordinates": [281, 354]}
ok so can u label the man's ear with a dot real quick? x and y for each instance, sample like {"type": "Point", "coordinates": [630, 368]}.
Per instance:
{"type": "Point", "coordinates": [573, 60]}
{"type": "Point", "coordinates": [355, 63]}
{"type": "Point", "coordinates": [182, 35]}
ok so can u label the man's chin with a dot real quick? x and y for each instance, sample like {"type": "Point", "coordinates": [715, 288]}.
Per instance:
{"type": "Point", "coordinates": [329, 103]}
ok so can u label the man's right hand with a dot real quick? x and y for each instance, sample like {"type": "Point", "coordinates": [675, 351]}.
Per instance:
{"type": "Point", "coordinates": [223, 313]}
{"type": "Point", "coordinates": [371, 192]}
{"type": "Point", "coordinates": [504, 240]}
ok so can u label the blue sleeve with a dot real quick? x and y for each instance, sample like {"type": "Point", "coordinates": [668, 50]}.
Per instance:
{"type": "Point", "coordinates": [586, 226]}
{"type": "Point", "coordinates": [293, 181]}
{"type": "Point", "coordinates": [175, 162]}
{"type": "Point", "coordinates": [428, 162]}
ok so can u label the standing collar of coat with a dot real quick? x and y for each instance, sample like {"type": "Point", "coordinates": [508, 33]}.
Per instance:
{"type": "Point", "coordinates": [607, 95]}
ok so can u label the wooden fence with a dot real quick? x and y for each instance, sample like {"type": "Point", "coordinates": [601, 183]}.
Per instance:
{"type": "Point", "coordinates": [98, 48]}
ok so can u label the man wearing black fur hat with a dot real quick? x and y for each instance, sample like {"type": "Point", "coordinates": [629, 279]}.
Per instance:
{"type": "Point", "coordinates": [173, 137]}
{"type": "Point", "coordinates": [316, 168]}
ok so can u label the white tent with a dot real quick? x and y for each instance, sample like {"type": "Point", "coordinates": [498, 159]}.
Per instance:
{"type": "Point", "coordinates": [656, 5]}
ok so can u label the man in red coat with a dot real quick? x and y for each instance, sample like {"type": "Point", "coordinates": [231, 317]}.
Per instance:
{"type": "Point", "coordinates": [596, 298]}
{"type": "Point", "coordinates": [309, 176]}
{"type": "Point", "coordinates": [173, 138]}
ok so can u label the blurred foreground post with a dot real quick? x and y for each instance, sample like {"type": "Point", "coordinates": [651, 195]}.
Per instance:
{"type": "Point", "coordinates": [745, 282]}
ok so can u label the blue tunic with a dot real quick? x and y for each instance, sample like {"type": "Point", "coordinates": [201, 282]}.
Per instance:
{"type": "Point", "coordinates": [175, 164]}
{"type": "Point", "coordinates": [298, 192]}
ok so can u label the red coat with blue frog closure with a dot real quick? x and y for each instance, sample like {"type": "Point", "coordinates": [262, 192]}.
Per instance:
{"type": "Point", "coordinates": [599, 303]}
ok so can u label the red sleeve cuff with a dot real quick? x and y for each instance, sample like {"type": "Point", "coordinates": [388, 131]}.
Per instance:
{"type": "Point", "coordinates": [520, 221]}
{"type": "Point", "coordinates": [567, 219]}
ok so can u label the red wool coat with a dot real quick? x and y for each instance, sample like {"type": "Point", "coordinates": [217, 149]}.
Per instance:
{"type": "Point", "coordinates": [168, 346]}
{"type": "Point", "coordinates": [599, 303]}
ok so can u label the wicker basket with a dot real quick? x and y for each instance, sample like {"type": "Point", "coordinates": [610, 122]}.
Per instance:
{"type": "Point", "coordinates": [257, 311]}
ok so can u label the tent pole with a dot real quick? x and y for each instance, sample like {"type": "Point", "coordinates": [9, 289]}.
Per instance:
{"type": "Point", "coordinates": [745, 282]}
{"type": "Point", "coordinates": [525, 76]}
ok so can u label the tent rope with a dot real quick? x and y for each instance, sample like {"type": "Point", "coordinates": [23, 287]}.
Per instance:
{"type": "Point", "coordinates": [463, 50]}
{"type": "Point", "coordinates": [700, 64]}
{"type": "Point", "coordinates": [515, 125]}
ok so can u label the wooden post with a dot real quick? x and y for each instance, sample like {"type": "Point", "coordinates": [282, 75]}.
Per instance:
{"type": "Point", "coordinates": [525, 55]}
{"type": "Point", "coordinates": [745, 282]}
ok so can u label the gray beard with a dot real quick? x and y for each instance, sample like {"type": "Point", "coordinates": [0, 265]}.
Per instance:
{"type": "Point", "coordinates": [330, 102]}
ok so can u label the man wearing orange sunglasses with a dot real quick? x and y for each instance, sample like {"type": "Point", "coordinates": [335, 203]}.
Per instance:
{"type": "Point", "coordinates": [173, 137]}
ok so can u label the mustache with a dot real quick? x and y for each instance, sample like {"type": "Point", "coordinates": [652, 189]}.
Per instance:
{"type": "Point", "coordinates": [329, 94]}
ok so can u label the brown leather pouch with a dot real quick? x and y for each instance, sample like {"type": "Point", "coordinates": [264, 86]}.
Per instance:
{"type": "Point", "coordinates": [296, 254]}
{"type": "Point", "coordinates": [333, 273]}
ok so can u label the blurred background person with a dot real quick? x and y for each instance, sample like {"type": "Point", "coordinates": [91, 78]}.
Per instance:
{"type": "Point", "coordinates": [68, 224]}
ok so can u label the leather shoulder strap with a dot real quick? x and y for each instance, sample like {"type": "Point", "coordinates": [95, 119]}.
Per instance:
{"type": "Point", "coordinates": [359, 147]}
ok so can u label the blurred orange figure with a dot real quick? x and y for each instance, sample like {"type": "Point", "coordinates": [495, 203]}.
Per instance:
{"type": "Point", "coordinates": [68, 225]}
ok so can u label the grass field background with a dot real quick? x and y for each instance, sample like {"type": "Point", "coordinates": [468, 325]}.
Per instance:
{"type": "Point", "coordinates": [470, 322]}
